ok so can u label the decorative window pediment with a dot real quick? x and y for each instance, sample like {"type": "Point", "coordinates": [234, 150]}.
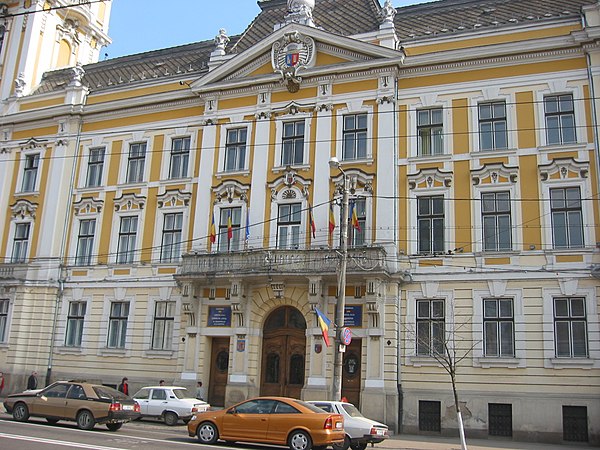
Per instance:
{"type": "Point", "coordinates": [129, 202]}
{"type": "Point", "coordinates": [88, 206]}
{"type": "Point", "coordinates": [33, 144]}
{"type": "Point", "coordinates": [283, 187]}
{"type": "Point", "coordinates": [358, 181]}
{"type": "Point", "coordinates": [229, 190]}
{"type": "Point", "coordinates": [174, 199]}
{"type": "Point", "coordinates": [23, 208]}
{"type": "Point", "coordinates": [430, 178]}
{"type": "Point", "coordinates": [495, 173]}
{"type": "Point", "coordinates": [561, 169]}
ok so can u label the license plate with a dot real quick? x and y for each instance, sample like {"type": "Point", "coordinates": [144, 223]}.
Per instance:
{"type": "Point", "coordinates": [128, 407]}
{"type": "Point", "coordinates": [380, 432]}
{"type": "Point", "coordinates": [339, 425]}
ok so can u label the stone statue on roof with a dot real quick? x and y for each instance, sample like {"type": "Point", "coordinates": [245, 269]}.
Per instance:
{"type": "Point", "coordinates": [388, 12]}
{"type": "Point", "coordinates": [221, 41]}
{"type": "Point", "coordinates": [300, 11]}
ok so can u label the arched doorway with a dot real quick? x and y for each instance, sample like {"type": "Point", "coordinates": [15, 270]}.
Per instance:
{"type": "Point", "coordinates": [284, 353]}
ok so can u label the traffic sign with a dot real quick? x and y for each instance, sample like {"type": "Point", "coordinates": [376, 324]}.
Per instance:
{"type": "Point", "coordinates": [346, 336]}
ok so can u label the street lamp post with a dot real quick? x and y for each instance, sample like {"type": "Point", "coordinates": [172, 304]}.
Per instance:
{"type": "Point", "coordinates": [341, 287]}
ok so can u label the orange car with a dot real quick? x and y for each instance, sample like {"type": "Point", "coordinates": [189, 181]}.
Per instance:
{"type": "Point", "coordinates": [270, 420]}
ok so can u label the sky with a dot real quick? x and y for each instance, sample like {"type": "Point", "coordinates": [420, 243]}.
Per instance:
{"type": "Point", "coordinates": [138, 26]}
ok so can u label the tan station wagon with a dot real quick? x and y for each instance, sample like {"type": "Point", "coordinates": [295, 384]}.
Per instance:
{"type": "Point", "coordinates": [84, 403]}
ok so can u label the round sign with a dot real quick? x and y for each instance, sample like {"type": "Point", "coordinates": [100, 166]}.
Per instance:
{"type": "Point", "coordinates": [346, 336]}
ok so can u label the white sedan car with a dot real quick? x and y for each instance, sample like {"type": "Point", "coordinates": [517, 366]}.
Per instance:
{"type": "Point", "coordinates": [360, 431]}
{"type": "Point", "coordinates": [169, 403]}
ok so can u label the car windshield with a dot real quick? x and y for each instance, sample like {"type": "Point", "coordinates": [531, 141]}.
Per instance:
{"type": "Point", "coordinates": [182, 393]}
{"type": "Point", "coordinates": [310, 406]}
{"type": "Point", "coordinates": [109, 393]}
{"type": "Point", "coordinates": [352, 410]}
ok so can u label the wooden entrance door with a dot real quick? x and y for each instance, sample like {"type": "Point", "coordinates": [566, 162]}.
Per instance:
{"type": "Point", "coordinates": [351, 372]}
{"type": "Point", "coordinates": [284, 353]}
{"type": "Point", "coordinates": [219, 371]}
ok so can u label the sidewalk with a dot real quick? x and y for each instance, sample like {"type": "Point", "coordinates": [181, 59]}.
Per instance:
{"type": "Point", "coordinates": [412, 442]}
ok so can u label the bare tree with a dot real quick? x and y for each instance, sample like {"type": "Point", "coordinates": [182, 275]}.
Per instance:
{"type": "Point", "coordinates": [449, 349]}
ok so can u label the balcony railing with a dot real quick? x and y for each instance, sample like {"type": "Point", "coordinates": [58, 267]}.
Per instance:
{"type": "Point", "coordinates": [271, 262]}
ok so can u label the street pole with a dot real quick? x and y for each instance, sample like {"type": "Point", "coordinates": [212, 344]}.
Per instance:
{"type": "Point", "coordinates": [341, 288]}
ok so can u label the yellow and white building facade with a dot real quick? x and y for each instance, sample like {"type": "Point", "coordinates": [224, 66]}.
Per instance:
{"type": "Point", "coordinates": [173, 215]}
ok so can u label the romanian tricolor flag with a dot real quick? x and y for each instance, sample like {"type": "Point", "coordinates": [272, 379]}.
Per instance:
{"type": "Point", "coordinates": [229, 227]}
{"type": "Point", "coordinates": [311, 219]}
{"type": "Point", "coordinates": [331, 220]}
{"type": "Point", "coordinates": [213, 230]}
{"type": "Point", "coordinates": [354, 217]}
{"type": "Point", "coordinates": [324, 323]}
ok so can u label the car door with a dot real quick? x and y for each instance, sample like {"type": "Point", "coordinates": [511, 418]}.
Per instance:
{"type": "Point", "coordinates": [75, 400]}
{"type": "Point", "coordinates": [143, 399]}
{"type": "Point", "coordinates": [282, 419]}
{"type": "Point", "coordinates": [157, 402]}
{"type": "Point", "coordinates": [247, 421]}
{"type": "Point", "coordinates": [51, 401]}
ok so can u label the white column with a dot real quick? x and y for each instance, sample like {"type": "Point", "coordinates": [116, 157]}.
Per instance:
{"type": "Point", "coordinates": [385, 219]}
{"type": "Point", "coordinates": [321, 194]}
{"type": "Point", "coordinates": [204, 210]}
{"type": "Point", "coordinates": [258, 196]}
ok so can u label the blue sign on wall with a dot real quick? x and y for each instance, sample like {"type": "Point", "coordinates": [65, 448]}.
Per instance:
{"type": "Point", "coordinates": [219, 316]}
{"type": "Point", "coordinates": [353, 316]}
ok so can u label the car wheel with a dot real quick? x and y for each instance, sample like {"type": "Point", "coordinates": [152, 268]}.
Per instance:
{"type": "Point", "coordinates": [299, 440]}
{"type": "Point", "coordinates": [207, 433]}
{"type": "Point", "coordinates": [85, 420]}
{"type": "Point", "coordinates": [358, 446]}
{"type": "Point", "coordinates": [21, 412]}
{"type": "Point", "coordinates": [51, 421]}
{"type": "Point", "coordinates": [170, 418]}
{"type": "Point", "coordinates": [344, 445]}
{"type": "Point", "coordinates": [113, 426]}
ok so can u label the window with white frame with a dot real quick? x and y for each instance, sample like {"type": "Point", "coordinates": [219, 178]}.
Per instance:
{"type": "Point", "coordinates": [560, 119]}
{"type": "Point", "coordinates": [567, 217]}
{"type": "Point", "coordinates": [30, 171]}
{"type": "Point", "coordinates": [127, 237]}
{"type": "Point", "coordinates": [430, 224]}
{"type": "Point", "coordinates": [570, 327]}
{"type": "Point", "coordinates": [430, 337]}
{"type": "Point", "coordinates": [117, 324]}
{"type": "Point", "coordinates": [85, 242]}
{"type": "Point", "coordinates": [136, 162]}
{"type": "Point", "coordinates": [229, 229]}
{"type": "Point", "coordinates": [235, 149]}
{"type": "Point", "coordinates": [170, 249]}
{"type": "Point", "coordinates": [493, 130]}
{"type": "Point", "coordinates": [95, 167]}
{"type": "Point", "coordinates": [180, 158]}
{"type": "Point", "coordinates": [75, 321]}
{"type": "Point", "coordinates": [292, 152]}
{"type": "Point", "coordinates": [498, 327]}
{"type": "Point", "coordinates": [4, 304]}
{"type": "Point", "coordinates": [289, 218]}
{"type": "Point", "coordinates": [20, 242]}
{"type": "Point", "coordinates": [496, 219]}
{"type": "Point", "coordinates": [164, 323]}
{"type": "Point", "coordinates": [430, 129]}
{"type": "Point", "coordinates": [358, 222]}
{"type": "Point", "coordinates": [354, 136]}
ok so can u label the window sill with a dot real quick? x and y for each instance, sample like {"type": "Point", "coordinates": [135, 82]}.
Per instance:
{"type": "Point", "coordinates": [562, 147]}
{"type": "Point", "coordinates": [487, 362]}
{"type": "Point", "coordinates": [277, 169]}
{"type": "Point", "coordinates": [165, 354]}
{"type": "Point", "coordinates": [368, 161]}
{"type": "Point", "coordinates": [244, 172]}
{"type": "Point", "coordinates": [26, 194]}
{"type": "Point", "coordinates": [494, 152]}
{"type": "Point", "coordinates": [423, 361]}
{"type": "Point", "coordinates": [69, 350]}
{"type": "Point", "coordinates": [420, 158]}
{"type": "Point", "coordinates": [571, 363]}
{"type": "Point", "coordinates": [118, 352]}
{"type": "Point", "coordinates": [180, 180]}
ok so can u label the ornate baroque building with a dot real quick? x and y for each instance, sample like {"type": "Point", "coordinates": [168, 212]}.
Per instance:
{"type": "Point", "coordinates": [173, 214]}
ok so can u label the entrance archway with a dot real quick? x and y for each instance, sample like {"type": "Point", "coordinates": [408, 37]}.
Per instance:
{"type": "Point", "coordinates": [284, 353]}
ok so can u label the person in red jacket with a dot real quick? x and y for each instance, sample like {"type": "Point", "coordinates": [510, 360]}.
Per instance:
{"type": "Point", "coordinates": [124, 387]}
{"type": "Point", "coordinates": [1, 382]}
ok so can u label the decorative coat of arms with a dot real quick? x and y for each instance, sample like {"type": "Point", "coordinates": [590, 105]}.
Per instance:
{"type": "Point", "coordinates": [290, 54]}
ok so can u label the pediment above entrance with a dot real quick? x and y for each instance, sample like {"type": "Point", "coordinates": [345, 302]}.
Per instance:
{"type": "Point", "coordinates": [292, 52]}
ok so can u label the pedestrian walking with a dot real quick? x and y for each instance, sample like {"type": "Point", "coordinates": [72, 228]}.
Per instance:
{"type": "Point", "coordinates": [1, 382]}
{"type": "Point", "coordinates": [124, 386]}
{"type": "Point", "coordinates": [200, 391]}
{"type": "Point", "coordinates": [32, 381]}
{"type": "Point", "coordinates": [161, 383]}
